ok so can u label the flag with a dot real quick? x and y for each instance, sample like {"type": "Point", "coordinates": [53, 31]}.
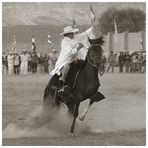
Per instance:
{"type": "Point", "coordinates": [14, 43]}
{"type": "Point", "coordinates": [74, 23]}
{"type": "Point", "coordinates": [116, 31]}
{"type": "Point", "coordinates": [49, 41]}
{"type": "Point", "coordinates": [92, 14]}
{"type": "Point", "coordinates": [33, 44]}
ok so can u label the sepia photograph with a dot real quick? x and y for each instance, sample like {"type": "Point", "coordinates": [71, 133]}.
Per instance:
{"type": "Point", "coordinates": [73, 73]}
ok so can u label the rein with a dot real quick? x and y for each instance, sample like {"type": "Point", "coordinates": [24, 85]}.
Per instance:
{"type": "Point", "coordinates": [93, 59]}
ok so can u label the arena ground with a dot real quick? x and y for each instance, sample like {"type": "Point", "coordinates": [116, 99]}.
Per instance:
{"type": "Point", "coordinates": [120, 119]}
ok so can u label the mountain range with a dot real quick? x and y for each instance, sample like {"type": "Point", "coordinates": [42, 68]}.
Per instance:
{"type": "Point", "coordinates": [43, 13]}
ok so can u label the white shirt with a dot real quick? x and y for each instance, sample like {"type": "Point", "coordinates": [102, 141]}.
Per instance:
{"type": "Point", "coordinates": [69, 50]}
{"type": "Point", "coordinates": [33, 40]}
{"type": "Point", "coordinates": [24, 57]}
{"type": "Point", "coordinates": [67, 54]}
{"type": "Point", "coordinates": [83, 38]}
{"type": "Point", "coordinates": [10, 59]}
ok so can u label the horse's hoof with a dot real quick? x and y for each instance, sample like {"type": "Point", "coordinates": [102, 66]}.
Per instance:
{"type": "Point", "coordinates": [71, 134]}
{"type": "Point", "coordinates": [81, 118]}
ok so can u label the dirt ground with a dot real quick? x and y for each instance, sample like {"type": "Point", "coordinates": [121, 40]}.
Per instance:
{"type": "Point", "coordinates": [120, 119]}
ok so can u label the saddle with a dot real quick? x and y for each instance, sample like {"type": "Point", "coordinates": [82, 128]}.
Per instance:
{"type": "Point", "coordinates": [74, 69]}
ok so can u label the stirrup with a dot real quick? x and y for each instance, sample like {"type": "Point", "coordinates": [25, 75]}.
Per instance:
{"type": "Point", "coordinates": [54, 87]}
{"type": "Point", "coordinates": [63, 88]}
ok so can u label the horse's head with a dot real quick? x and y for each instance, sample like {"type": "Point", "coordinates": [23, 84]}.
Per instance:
{"type": "Point", "coordinates": [94, 55]}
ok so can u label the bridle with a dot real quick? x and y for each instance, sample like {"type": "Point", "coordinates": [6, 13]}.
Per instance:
{"type": "Point", "coordinates": [93, 63]}
{"type": "Point", "coordinates": [93, 59]}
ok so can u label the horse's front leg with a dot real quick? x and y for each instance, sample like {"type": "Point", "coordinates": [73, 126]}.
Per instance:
{"type": "Point", "coordinates": [75, 115]}
{"type": "Point", "coordinates": [83, 114]}
{"type": "Point", "coordinates": [95, 98]}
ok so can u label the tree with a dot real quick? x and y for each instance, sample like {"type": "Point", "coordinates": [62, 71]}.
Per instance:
{"type": "Point", "coordinates": [131, 20]}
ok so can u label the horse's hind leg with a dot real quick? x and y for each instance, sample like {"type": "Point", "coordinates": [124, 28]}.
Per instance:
{"type": "Point", "coordinates": [75, 115]}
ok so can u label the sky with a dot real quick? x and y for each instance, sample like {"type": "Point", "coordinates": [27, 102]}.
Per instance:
{"type": "Point", "coordinates": [56, 13]}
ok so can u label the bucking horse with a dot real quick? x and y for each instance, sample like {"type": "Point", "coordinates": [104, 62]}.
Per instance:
{"type": "Point", "coordinates": [83, 83]}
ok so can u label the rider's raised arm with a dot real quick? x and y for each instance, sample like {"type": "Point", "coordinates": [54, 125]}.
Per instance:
{"type": "Point", "coordinates": [89, 32]}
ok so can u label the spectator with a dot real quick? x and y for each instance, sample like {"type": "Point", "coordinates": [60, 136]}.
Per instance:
{"type": "Point", "coordinates": [53, 56]}
{"type": "Point", "coordinates": [34, 61]}
{"type": "Point", "coordinates": [144, 63]}
{"type": "Point", "coordinates": [45, 63]}
{"type": "Point", "coordinates": [127, 62]}
{"type": "Point", "coordinates": [140, 60]}
{"type": "Point", "coordinates": [29, 61]}
{"type": "Point", "coordinates": [134, 63]}
{"type": "Point", "coordinates": [24, 62]}
{"type": "Point", "coordinates": [121, 59]}
{"type": "Point", "coordinates": [40, 63]}
{"type": "Point", "coordinates": [16, 63]}
{"type": "Point", "coordinates": [103, 65]}
{"type": "Point", "coordinates": [111, 62]}
{"type": "Point", "coordinates": [4, 63]}
{"type": "Point", "coordinates": [10, 60]}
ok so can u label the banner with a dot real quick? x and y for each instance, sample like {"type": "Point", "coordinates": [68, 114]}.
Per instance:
{"type": "Point", "coordinates": [116, 31]}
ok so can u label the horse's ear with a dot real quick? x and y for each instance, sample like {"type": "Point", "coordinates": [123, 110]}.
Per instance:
{"type": "Point", "coordinates": [99, 41]}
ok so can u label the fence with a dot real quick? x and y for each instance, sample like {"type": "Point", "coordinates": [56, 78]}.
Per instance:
{"type": "Point", "coordinates": [124, 41]}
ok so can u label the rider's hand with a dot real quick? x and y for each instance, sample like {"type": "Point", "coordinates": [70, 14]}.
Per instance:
{"type": "Point", "coordinates": [79, 46]}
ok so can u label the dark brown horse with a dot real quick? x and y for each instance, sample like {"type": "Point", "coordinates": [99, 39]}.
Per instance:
{"type": "Point", "coordinates": [83, 83]}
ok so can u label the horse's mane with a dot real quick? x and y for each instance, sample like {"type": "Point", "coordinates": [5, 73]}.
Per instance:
{"type": "Point", "coordinates": [99, 41]}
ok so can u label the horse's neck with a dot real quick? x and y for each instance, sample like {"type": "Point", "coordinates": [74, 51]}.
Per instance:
{"type": "Point", "coordinates": [91, 71]}
{"type": "Point", "coordinates": [88, 81]}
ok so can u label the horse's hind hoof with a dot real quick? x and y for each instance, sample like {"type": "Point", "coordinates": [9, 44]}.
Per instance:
{"type": "Point", "coordinates": [81, 118]}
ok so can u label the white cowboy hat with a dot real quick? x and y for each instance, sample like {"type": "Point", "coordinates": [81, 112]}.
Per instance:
{"type": "Point", "coordinates": [53, 50]}
{"type": "Point", "coordinates": [24, 50]}
{"type": "Point", "coordinates": [69, 29]}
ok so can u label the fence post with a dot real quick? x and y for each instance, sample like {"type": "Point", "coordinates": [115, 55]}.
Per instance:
{"type": "Point", "coordinates": [110, 41]}
{"type": "Point", "coordinates": [142, 40]}
{"type": "Point", "coordinates": [125, 41]}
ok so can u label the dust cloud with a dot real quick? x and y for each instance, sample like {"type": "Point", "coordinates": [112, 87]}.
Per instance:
{"type": "Point", "coordinates": [40, 124]}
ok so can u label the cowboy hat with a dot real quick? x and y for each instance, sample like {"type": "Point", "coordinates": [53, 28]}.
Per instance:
{"type": "Point", "coordinates": [69, 29]}
{"type": "Point", "coordinates": [53, 50]}
{"type": "Point", "coordinates": [10, 52]}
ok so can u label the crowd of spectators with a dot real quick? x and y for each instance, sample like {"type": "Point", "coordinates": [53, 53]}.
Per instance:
{"type": "Point", "coordinates": [32, 62]}
{"type": "Point", "coordinates": [28, 62]}
{"type": "Point", "coordinates": [129, 63]}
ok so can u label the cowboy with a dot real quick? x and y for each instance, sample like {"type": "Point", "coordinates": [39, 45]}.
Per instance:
{"type": "Point", "coordinates": [70, 46]}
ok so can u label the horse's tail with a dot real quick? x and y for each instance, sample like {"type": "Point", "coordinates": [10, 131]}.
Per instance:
{"type": "Point", "coordinates": [50, 98]}
{"type": "Point", "coordinates": [50, 104]}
